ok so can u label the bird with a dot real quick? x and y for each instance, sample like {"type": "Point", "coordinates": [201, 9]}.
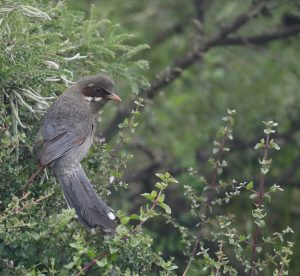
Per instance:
{"type": "Point", "coordinates": [64, 139]}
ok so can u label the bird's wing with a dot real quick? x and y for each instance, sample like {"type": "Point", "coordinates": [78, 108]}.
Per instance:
{"type": "Point", "coordinates": [59, 145]}
{"type": "Point", "coordinates": [62, 130]}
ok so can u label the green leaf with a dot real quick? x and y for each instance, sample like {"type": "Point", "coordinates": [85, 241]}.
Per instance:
{"type": "Point", "coordinates": [253, 196]}
{"type": "Point", "coordinates": [242, 238]}
{"type": "Point", "coordinates": [125, 220]}
{"type": "Point", "coordinates": [165, 207]}
{"type": "Point", "coordinates": [70, 265]}
{"type": "Point", "coordinates": [264, 170]}
{"type": "Point", "coordinates": [135, 242]}
{"type": "Point", "coordinates": [260, 223]}
{"type": "Point", "coordinates": [268, 197]}
{"type": "Point", "coordinates": [91, 254]}
{"type": "Point", "coordinates": [113, 249]}
{"type": "Point", "coordinates": [102, 262]}
{"type": "Point", "coordinates": [161, 198]}
{"type": "Point", "coordinates": [153, 194]}
{"type": "Point", "coordinates": [161, 186]}
{"type": "Point", "coordinates": [249, 186]}
{"type": "Point", "coordinates": [134, 217]}
{"type": "Point", "coordinates": [148, 196]}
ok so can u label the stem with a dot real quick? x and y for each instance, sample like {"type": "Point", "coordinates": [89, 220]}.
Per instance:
{"type": "Point", "coordinates": [217, 273]}
{"type": "Point", "coordinates": [214, 175]}
{"type": "Point", "coordinates": [259, 204]}
{"type": "Point", "coordinates": [33, 176]}
{"type": "Point", "coordinates": [88, 266]}
{"type": "Point", "coordinates": [213, 183]}
{"type": "Point", "coordinates": [281, 269]}
{"type": "Point", "coordinates": [191, 258]}
{"type": "Point", "coordinates": [35, 202]}
{"type": "Point", "coordinates": [154, 204]}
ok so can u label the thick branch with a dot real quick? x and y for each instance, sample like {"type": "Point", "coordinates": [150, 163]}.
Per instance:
{"type": "Point", "coordinates": [278, 33]}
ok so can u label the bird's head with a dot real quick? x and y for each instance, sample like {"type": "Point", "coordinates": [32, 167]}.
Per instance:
{"type": "Point", "coordinates": [99, 88]}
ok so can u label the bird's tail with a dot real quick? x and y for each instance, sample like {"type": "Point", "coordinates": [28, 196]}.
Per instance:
{"type": "Point", "coordinates": [91, 210]}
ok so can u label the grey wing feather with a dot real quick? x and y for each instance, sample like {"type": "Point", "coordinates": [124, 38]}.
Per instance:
{"type": "Point", "coordinates": [59, 134]}
{"type": "Point", "coordinates": [58, 146]}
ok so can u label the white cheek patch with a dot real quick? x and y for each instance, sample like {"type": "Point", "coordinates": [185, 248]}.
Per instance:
{"type": "Point", "coordinates": [89, 99]}
{"type": "Point", "coordinates": [111, 216]}
{"type": "Point", "coordinates": [93, 99]}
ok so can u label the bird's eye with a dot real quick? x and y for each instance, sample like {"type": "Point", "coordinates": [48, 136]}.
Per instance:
{"type": "Point", "coordinates": [102, 91]}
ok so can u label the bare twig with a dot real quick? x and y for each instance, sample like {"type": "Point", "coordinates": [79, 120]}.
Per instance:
{"type": "Point", "coordinates": [33, 203]}
{"type": "Point", "coordinates": [33, 176]}
{"type": "Point", "coordinates": [88, 266]}
{"type": "Point", "coordinates": [263, 38]}
{"type": "Point", "coordinates": [191, 258]}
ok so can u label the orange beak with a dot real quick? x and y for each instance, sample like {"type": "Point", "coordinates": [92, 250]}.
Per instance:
{"type": "Point", "coordinates": [114, 97]}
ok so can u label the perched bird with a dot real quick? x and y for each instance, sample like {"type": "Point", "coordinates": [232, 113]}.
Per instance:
{"type": "Point", "coordinates": [64, 139]}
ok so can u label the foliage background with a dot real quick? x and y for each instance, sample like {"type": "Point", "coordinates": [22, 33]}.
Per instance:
{"type": "Point", "coordinates": [260, 79]}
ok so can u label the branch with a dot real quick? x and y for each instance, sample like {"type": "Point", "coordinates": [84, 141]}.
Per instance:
{"type": "Point", "coordinates": [258, 205]}
{"type": "Point", "coordinates": [263, 38]}
{"type": "Point", "coordinates": [171, 73]}
{"type": "Point", "coordinates": [88, 266]}
{"type": "Point", "coordinates": [30, 204]}
{"type": "Point", "coordinates": [191, 258]}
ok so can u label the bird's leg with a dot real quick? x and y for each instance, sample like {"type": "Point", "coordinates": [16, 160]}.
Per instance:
{"type": "Point", "coordinates": [32, 177]}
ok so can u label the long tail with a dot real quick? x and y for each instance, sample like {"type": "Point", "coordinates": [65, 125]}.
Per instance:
{"type": "Point", "coordinates": [91, 210]}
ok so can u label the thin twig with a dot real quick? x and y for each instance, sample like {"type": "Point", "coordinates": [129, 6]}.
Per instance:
{"type": "Point", "coordinates": [213, 185]}
{"type": "Point", "coordinates": [88, 266]}
{"type": "Point", "coordinates": [217, 273]}
{"type": "Point", "coordinates": [191, 258]}
{"type": "Point", "coordinates": [262, 38]}
{"type": "Point", "coordinates": [154, 204]}
{"type": "Point", "coordinates": [33, 176]}
{"type": "Point", "coordinates": [259, 204]}
{"type": "Point", "coordinates": [35, 202]}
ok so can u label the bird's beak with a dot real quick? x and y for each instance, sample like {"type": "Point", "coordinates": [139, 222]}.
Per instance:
{"type": "Point", "coordinates": [114, 97]}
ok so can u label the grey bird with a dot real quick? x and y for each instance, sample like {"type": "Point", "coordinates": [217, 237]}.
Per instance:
{"type": "Point", "coordinates": [64, 139]}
